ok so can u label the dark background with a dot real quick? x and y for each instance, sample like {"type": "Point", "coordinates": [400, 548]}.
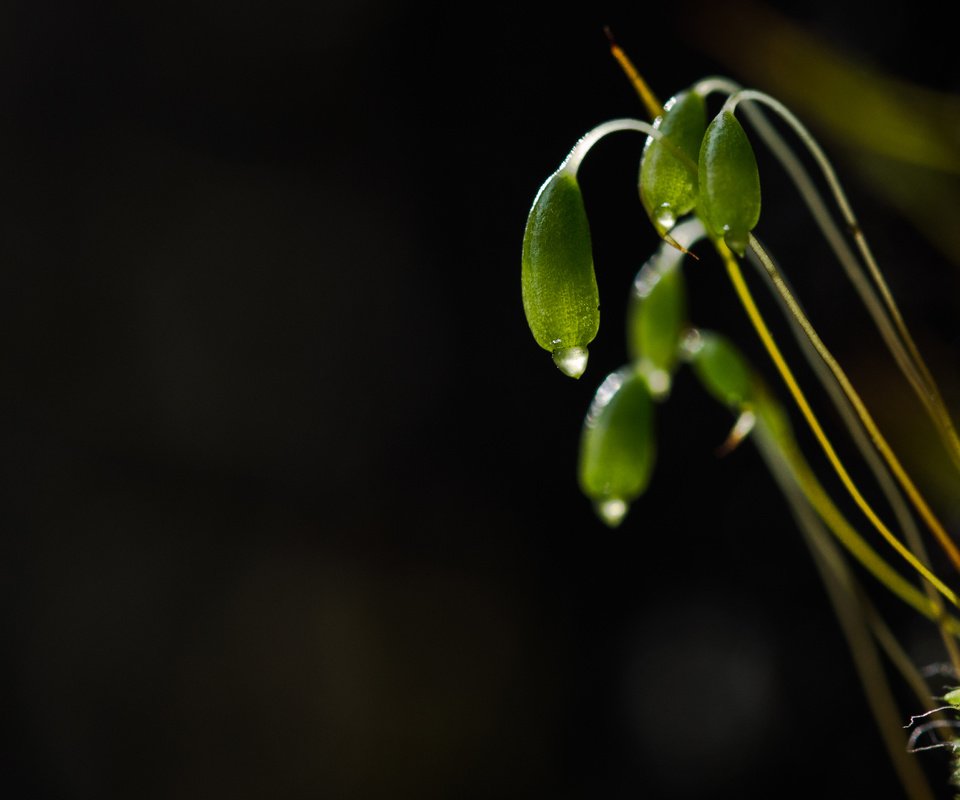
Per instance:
{"type": "Point", "coordinates": [289, 491]}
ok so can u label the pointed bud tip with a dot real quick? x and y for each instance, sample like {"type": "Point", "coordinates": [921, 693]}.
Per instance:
{"type": "Point", "coordinates": [571, 361]}
{"type": "Point", "coordinates": [612, 511]}
{"type": "Point", "coordinates": [658, 381]}
{"type": "Point", "coordinates": [665, 217]}
{"type": "Point", "coordinates": [737, 242]}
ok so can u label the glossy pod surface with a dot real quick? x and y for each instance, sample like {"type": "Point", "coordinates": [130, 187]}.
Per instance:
{"type": "Point", "coordinates": [657, 318]}
{"type": "Point", "coordinates": [668, 175]}
{"type": "Point", "coordinates": [617, 445]}
{"type": "Point", "coordinates": [723, 370]}
{"type": "Point", "coordinates": [560, 296]}
{"type": "Point", "coordinates": [729, 201]}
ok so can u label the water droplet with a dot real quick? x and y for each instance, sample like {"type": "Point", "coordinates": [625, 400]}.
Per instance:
{"type": "Point", "coordinates": [658, 381]}
{"type": "Point", "coordinates": [692, 344]}
{"type": "Point", "coordinates": [612, 511]}
{"type": "Point", "coordinates": [665, 217]}
{"type": "Point", "coordinates": [736, 241]}
{"type": "Point", "coordinates": [571, 361]}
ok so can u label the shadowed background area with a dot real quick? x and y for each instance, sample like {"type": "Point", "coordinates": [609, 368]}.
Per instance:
{"type": "Point", "coordinates": [289, 492]}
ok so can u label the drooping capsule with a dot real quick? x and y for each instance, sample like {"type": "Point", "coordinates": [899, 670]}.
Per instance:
{"type": "Point", "coordinates": [953, 697]}
{"type": "Point", "coordinates": [617, 445]}
{"type": "Point", "coordinates": [726, 375]}
{"type": "Point", "coordinates": [722, 369]}
{"type": "Point", "coordinates": [560, 296]}
{"type": "Point", "coordinates": [668, 169]}
{"type": "Point", "coordinates": [657, 319]}
{"type": "Point", "coordinates": [729, 200]}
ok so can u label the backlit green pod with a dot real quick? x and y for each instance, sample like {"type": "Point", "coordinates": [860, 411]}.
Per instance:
{"type": "Point", "coordinates": [668, 174]}
{"type": "Point", "coordinates": [722, 369]}
{"type": "Point", "coordinates": [729, 201]}
{"type": "Point", "coordinates": [657, 318]}
{"type": "Point", "coordinates": [953, 697]}
{"type": "Point", "coordinates": [617, 446]}
{"type": "Point", "coordinates": [560, 296]}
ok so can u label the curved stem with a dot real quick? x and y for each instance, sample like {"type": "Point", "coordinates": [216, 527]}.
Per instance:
{"type": "Point", "coordinates": [893, 328]}
{"type": "Point", "coordinates": [943, 538]}
{"type": "Point", "coordinates": [856, 621]}
{"type": "Point", "coordinates": [716, 83]}
{"type": "Point", "coordinates": [844, 532]}
{"type": "Point", "coordinates": [572, 162]}
{"type": "Point", "coordinates": [879, 469]}
{"type": "Point", "coordinates": [740, 286]}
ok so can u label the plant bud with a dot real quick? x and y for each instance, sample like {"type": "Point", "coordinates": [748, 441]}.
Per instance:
{"type": "Point", "coordinates": [617, 446]}
{"type": "Point", "coordinates": [560, 296]}
{"type": "Point", "coordinates": [729, 182]}
{"type": "Point", "coordinates": [668, 174]}
{"type": "Point", "coordinates": [722, 369]}
{"type": "Point", "coordinates": [657, 318]}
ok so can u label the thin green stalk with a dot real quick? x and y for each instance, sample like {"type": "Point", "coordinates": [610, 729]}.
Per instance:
{"type": "Point", "coordinates": [845, 597]}
{"type": "Point", "coordinates": [766, 337]}
{"type": "Point", "coordinates": [818, 498]}
{"type": "Point", "coordinates": [876, 465]}
{"type": "Point", "coordinates": [886, 314]}
{"type": "Point", "coordinates": [881, 444]}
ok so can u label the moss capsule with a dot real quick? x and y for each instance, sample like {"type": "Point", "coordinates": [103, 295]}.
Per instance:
{"type": "Point", "coordinates": [657, 318]}
{"type": "Point", "coordinates": [729, 200]}
{"type": "Point", "coordinates": [617, 446]}
{"type": "Point", "coordinates": [953, 697]}
{"type": "Point", "coordinates": [722, 370]}
{"type": "Point", "coordinates": [668, 175]}
{"type": "Point", "coordinates": [560, 296]}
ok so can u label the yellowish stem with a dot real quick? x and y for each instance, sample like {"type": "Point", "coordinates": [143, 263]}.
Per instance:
{"type": "Point", "coordinates": [883, 447]}
{"type": "Point", "coordinates": [845, 533]}
{"type": "Point", "coordinates": [647, 97]}
{"type": "Point", "coordinates": [743, 292]}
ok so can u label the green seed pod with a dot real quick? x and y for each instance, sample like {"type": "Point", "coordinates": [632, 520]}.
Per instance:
{"type": "Point", "coordinates": [617, 446]}
{"type": "Point", "coordinates": [657, 318]}
{"type": "Point", "coordinates": [560, 296]}
{"type": "Point", "coordinates": [722, 369]}
{"type": "Point", "coordinates": [729, 182]}
{"type": "Point", "coordinates": [668, 175]}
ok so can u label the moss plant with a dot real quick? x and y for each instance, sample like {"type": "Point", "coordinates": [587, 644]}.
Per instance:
{"type": "Point", "coordinates": [700, 186]}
